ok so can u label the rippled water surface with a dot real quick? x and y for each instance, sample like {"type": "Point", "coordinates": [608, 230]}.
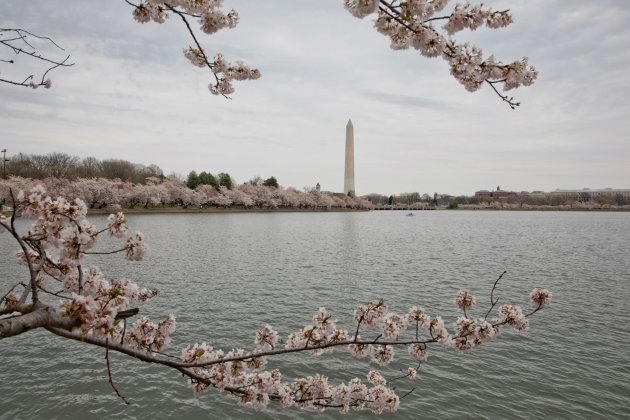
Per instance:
{"type": "Point", "coordinates": [225, 275]}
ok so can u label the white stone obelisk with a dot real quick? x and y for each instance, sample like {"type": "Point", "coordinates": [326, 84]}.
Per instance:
{"type": "Point", "coordinates": [348, 179]}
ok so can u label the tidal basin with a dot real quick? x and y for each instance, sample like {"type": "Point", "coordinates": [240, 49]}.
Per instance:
{"type": "Point", "coordinates": [226, 275]}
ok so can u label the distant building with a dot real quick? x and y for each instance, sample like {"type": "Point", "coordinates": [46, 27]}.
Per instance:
{"type": "Point", "coordinates": [318, 187]}
{"type": "Point", "coordinates": [587, 194]}
{"type": "Point", "coordinates": [498, 193]}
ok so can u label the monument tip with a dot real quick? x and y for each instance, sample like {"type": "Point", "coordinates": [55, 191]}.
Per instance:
{"type": "Point", "coordinates": [349, 122]}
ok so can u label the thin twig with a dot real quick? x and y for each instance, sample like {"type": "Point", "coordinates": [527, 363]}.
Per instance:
{"type": "Point", "coordinates": [492, 301]}
{"type": "Point", "coordinates": [408, 393]}
{"type": "Point", "coordinates": [109, 372]}
{"type": "Point", "coordinates": [505, 98]}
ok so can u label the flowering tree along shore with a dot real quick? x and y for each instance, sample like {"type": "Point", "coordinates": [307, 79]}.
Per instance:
{"type": "Point", "coordinates": [170, 192]}
{"type": "Point", "coordinates": [96, 310]}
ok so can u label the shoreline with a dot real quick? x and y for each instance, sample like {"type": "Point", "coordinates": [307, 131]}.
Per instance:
{"type": "Point", "coordinates": [508, 209]}
{"type": "Point", "coordinates": [179, 210]}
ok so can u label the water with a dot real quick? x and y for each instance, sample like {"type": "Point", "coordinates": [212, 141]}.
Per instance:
{"type": "Point", "coordinates": [225, 275]}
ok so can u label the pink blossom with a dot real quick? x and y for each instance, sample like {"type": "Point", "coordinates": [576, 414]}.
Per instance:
{"type": "Point", "coordinates": [418, 351]}
{"type": "Point", "coordinates": [382, 399]}
{"type": "Point", "coordinates": [540, 296]}
{"type": "Point", "coordinates": [382, 355]}
{"type": "Point", "coordinates": [392, 325]}
{"type": "Point", "coordinates": [136, 247]}
{"type": "Point", "coordinates": [117, 225]}
{"type": "Point", "coordinates": [513, 316]}
{"type": "Point", "coordinates": [369, 315]}
{"type": "Point", "coordinates": [465, 300]}
{"type": "Point", "coordinates": [359, 350]}
{"type": "Point", "coordinates": [376, 378]}
{"type": "Point", "coordinates": [266, 339]}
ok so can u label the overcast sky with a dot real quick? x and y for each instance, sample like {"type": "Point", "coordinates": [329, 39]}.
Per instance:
{"type": "Point", "coordinates": [133, 95]}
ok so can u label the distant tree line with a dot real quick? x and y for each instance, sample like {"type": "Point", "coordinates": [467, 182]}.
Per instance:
{"type": "Point", "coordinates": [269, 182]}
{"type": "Point", "coordinates": [64, 166]}
{"type": "Point", "coordinates": [520, 200]}
{"type": "Point", "coordinates": [193, 180]}
{"type": "Point", "coordinates": [408, 199]}
{"type": "Point", "coordinates": [206, 178]}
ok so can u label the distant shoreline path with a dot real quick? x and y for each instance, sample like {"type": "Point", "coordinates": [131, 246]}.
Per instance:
{"type": "Point", "coordinates": [177, 210]}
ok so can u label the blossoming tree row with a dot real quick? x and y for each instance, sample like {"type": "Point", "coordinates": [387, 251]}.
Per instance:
{"type": "Point", "coordinates": [116, 194]}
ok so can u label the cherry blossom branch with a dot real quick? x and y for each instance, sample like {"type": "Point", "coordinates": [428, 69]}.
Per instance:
{"type": "Point", "coordinates": [211, 19]}
{"type": "Point", "coordinates": [409, 24]}
{"type": "Point", "coordinates": [148, 357]}
{"type": "Point", "coordinates": [199, 47]}
{"type": "Point", "coordinates": [33, 316]}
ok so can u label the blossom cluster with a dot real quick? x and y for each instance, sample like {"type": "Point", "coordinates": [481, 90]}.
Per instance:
{"type": "Point", "coordinates": [255, 387]}
{"type": "Point", "coordinates": [46, 83]}
{"type": "Point", "coordinates": [243, 374]}
{"type": "Point", "coordinates": [465, 300]}
{"type": "Point", "coordinates": [211, 19]}
{"type": "Point", "coordinates": [410, 24]}
{"type": "Point", "coordinates": [147, 336]}
{"type": "Point", "coordinates": [226, 73]}
{"type": "Point", "coordinates": [513, 316]}
{"type": "Point", "coordinates": [266, 339]}
{"type": "Point", "coordinates": [540, 296]}
{"type": "Point", "coordinates": [370, 315]}
{"type": "Point", "coordinates": [58, 242]}
{"type": "Point", "coordinates": [323, 332]}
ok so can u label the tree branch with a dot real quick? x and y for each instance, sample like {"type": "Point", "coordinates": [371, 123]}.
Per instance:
{"type": "Point", "coordinates": [33, 316]}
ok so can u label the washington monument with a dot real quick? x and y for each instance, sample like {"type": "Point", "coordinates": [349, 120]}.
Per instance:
{"type": "Point", "coordinates": [348, 179]}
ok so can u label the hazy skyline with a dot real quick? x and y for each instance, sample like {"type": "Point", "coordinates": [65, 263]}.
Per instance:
{"type": "Point", "coordinates": [133, 95]}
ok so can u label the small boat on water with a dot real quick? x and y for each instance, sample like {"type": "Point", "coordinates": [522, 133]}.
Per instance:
{"type": "Point", "coordinates": [410, 214]}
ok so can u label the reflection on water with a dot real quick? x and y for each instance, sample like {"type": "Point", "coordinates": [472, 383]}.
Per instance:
{"type": "Point", "coordinates": [224, 275]}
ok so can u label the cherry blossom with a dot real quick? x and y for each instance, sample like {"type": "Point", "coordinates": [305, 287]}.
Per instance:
{"type": "Point", "coordinates": [540, 296]}
{"type": "Point", "coordinates": [465, 300]}
{"type": "Point", "coordinates": [211, 19]}
{"type": "Point", "coordinates": [411, 23]}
